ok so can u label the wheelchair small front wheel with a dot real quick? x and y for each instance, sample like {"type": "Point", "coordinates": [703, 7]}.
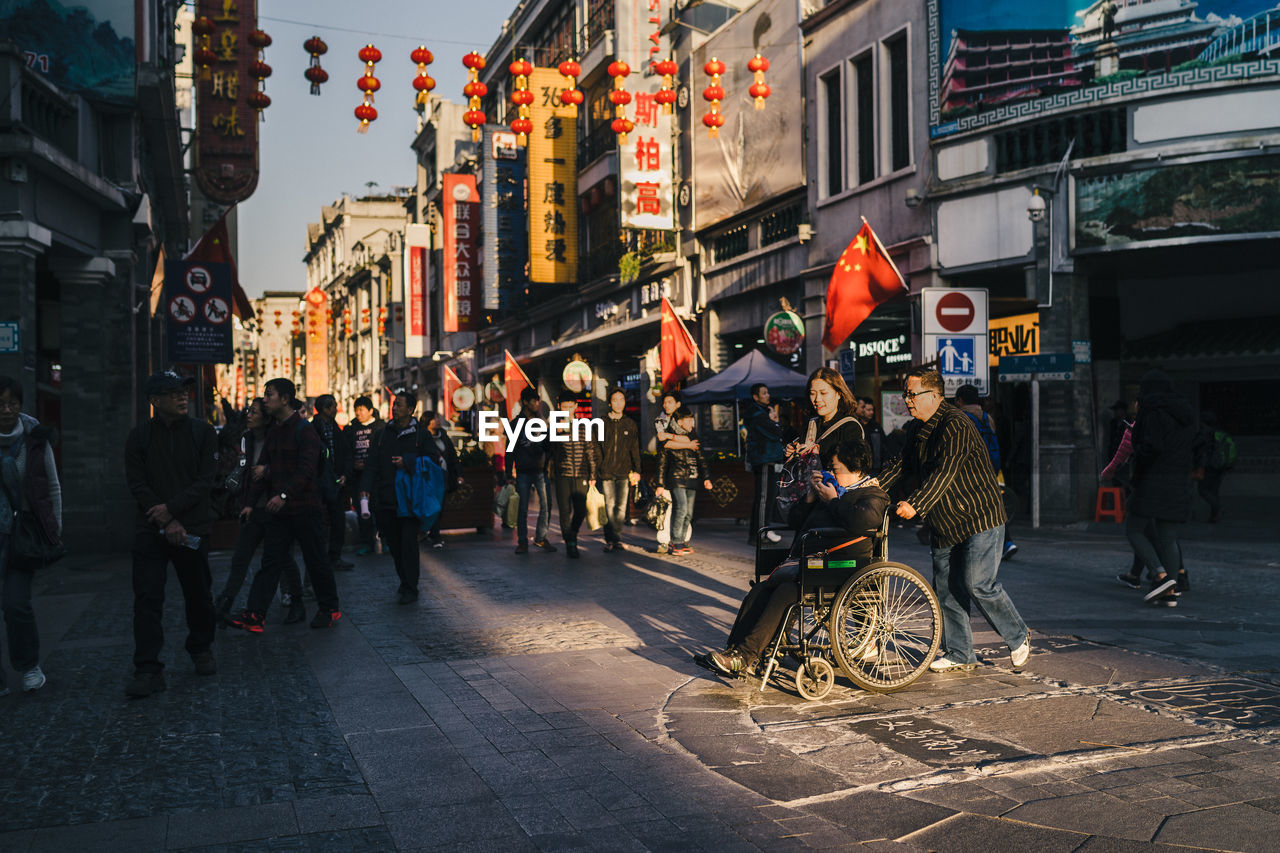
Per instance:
{"type": "Point", "coordinates": [814, 678]}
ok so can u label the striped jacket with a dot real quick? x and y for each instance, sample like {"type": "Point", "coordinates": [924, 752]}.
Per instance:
{"type": "Point", "coordinates": [945, 461]}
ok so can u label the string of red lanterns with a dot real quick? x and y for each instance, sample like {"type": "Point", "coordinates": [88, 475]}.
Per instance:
{"type": "Point", "coordinates": [571, 97]}
{"type": "Point", "coordinates": [368, 84]}
{"type": "Point", "coordinates": [714, 94]}
{"type": "Point", "coordinates": [759, 90]}
{"type": "Point", "coordinates": [620, 97]}
{"type": "Point", "coordinates": [522, 98]}
{"type": "Point", "coordinates": [474, 90]}
{"type": "Point", "coordinates": [667, 94]}
{"type": "Point", "coordinates": [422, 82]}
{"type": "Point", "coordinates": [314, 73]}
{"type": "Point", "coordinates": [204, 27]}
{"type": "Point", "coordinates": [259, 71]}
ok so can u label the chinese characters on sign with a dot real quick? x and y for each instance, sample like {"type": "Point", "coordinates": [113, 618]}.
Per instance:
{"type": "Point", "coordinates": [553, 183]}
{"type": "Point", "coordinates": [502, 196]}
{"type": "Point", "coordinates": [226, 126]}
{"type": "Point", "coordinates": [417, 243]}
{"type": "Point", "coordinates": [461, 252]}
{"type": "Point", "coordinates": [1016, 335]}
{"type": "Point", "coordinates": [197, 298]}
{"type": "Point", "coordinates": [317, 343]}
{"type": "Point", "coordinates": [645, 165]}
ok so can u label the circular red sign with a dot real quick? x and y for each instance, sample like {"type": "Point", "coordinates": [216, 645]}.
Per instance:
{"type": "Point", "coordinates": [955, 312]}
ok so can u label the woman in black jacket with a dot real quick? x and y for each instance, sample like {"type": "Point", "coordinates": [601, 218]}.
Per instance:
{"type": "Point", "coordinates": [679, 472]}
{"type": "Point", "coordinates": [834, 420]}
{"type": "Point", "coordinates": [853, 504]}
{"type": "Point", "coordinates": [448, 456]}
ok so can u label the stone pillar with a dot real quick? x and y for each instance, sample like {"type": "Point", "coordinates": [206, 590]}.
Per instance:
{"type": "Point", "coordinates": [21, 242]}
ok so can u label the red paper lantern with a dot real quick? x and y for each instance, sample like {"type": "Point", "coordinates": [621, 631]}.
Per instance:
{"type": "Point", "coordinates": [759, 90]}
{"type": "Point", "coordinates": [474, 90]}
{"type": "Point", "coordinates": [522, 98]}
{"type": "Point", "coordinates": [368, 84]}
{"type": "Point", "coordinates": [522, 126]}
{"type": "Point", "coordinates": [619, 97]}
{"type": "Point", "coordinates": [714, 68]}
{"type": "Point", "coordinates": [259, 71]}
{"type": "Point", "coordinates": [666, 97]}
{"type": "Point", "coordinates": [619, 69]}
{"type": "Point", "coordinates": [622, 127]}
{"type": "Point", "coordinates": [714, 94]}
{"type": "Point", "coordinates": [370, 54]}
{"type": "Point", "coordinates": [421, 56]}
{"type": "Point", "coordinates": [572, 97]}
{"type": "Point", "coordinates": [422, 83]}
{"type": "Point", "coordinates": [259, 101]}
{"type": "Point", "coordinates": [314, 73]}
{"type": "Point", "coordinates": [259, 40]}
{"type": "Point", "coordinates": [473, 61]}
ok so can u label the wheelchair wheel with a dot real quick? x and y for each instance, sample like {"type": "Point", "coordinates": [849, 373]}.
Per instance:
{"type": "Point", "coordinates": [886, 627]}
{"type": "Point", "coordinates": [814, 678]}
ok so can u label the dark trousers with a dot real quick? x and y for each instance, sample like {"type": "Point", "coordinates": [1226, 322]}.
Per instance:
{"type": "Point", "coordinates": [1209, 488]}
{"type": "Point", "coordinates": [19, 616]}
{"type": "Point", "coordinates": [766, 603]}
{"type": "Point", "coordinates": [571, 498]}
{"type": "Point", "coordinates": [759, 476]}
{"type": "Point", "coordinates": [305, 527]}
{"type": "Point", "coordinates": [536, 483]}
{"type": "Point", "coordinates": [336, 518]}
{"type": "Point", "coordinates": [152, 555]}
{"type": "Point", "coordinates": [252, 532]}
{"type": "Point", "coordinates": [364, 526]}
{"type": "Point", "coordinates": [401, 537]}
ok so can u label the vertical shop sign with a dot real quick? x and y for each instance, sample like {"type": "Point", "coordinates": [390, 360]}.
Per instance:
{"type": "Point", "coordinates": [417, 241]}
{"type": "Point", "coordinates": [316, 330]}
{"type": "Point", "coordinates": [504, 244]}
{"type": "Point", "coordinates": [553, 182]}
{"type": "Point", "coordinates": [461, 257]}
{"type": "Point", "coordinates": [226, 126]}
{"type": "Point", "coordinates": [197, 299]}
{"type": "Point", "coordinates": [645, 162]}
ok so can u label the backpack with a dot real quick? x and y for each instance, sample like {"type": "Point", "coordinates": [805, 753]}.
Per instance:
{"type": "Point", "coordinates": [420, 493]}
{"type": "Point", "coordinates": [326, 479]}
{"type": "Point", "coordinates": [988, 436]}
{"type": "Point", "coordinates": [1223, 455]}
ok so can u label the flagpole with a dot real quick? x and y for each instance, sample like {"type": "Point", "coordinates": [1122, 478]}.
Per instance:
{"type": "Point", "coordinates": [885, 252]}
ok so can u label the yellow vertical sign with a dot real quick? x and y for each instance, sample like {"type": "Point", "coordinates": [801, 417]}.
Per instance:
{"type": "Point", "coordinates": [553, 182]}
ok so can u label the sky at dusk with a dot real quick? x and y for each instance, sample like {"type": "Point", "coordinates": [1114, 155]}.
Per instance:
{"type": "Point", "coordinates": [310, 153]}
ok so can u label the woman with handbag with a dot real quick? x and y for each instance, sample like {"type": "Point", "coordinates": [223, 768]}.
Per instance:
{"type": "Point", "coordinates": [30, 527]}
{"type": "Point", "coordinates": [833, 424]}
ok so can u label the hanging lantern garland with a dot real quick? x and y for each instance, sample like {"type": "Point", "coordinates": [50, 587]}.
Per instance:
{"type": "Point", "coordinates": [571, 97]}
{"type": "Point", "coordinates": [759, 90]}
{"type": "Point", "coordinates": [422, 82]}
{"type": "Point", "coordinates": [204, 27]}
{"type": "Point", "coordinates": [522, 98]}
{"type": "Point", "coordinates": [714, 94]}
{"type": "Point", "coordinates": [620, 97]}
{"type": "Point", "coordinates": [474, 90]}
{"type": "Point", "coordinates": [368, 84]}
{"type": "Point", "coordinates": [667, 94]}
{"type": "Point", "coordinates": [314, 73]}
{"type": "Point", "coordinates": [259, 71]}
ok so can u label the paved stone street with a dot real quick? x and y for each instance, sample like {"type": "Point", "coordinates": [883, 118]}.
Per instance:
{"type": "Point", "coordinates": [539, 703]}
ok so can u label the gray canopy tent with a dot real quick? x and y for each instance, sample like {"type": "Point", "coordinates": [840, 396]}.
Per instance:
{"type": "Point", "coordinates": [733, 384]}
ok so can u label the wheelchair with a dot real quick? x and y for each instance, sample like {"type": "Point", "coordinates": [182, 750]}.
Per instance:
{"type": "Point", "coordinates": [882, 627]}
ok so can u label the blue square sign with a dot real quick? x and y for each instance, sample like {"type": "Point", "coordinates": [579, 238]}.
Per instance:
{"type": "Point", "coordinates": [956, 357]}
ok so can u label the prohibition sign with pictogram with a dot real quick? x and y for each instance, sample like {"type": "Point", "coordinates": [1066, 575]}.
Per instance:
{"type": "Point", "coordinates": [182, 309]}
{"type": "Point", "coordinates": [216, 310]}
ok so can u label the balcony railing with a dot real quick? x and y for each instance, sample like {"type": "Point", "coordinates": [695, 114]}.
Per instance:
{"type": "Point", "coordinates": [600, 261]}
{"type": "Point", "coordinates": [729, 245]}
{"type": "Point", "coordinates": [600, 19]}
{"type": "Point", "coordinates": [600, 141]}
{"type": "Point", "coordinates": [781, 224]}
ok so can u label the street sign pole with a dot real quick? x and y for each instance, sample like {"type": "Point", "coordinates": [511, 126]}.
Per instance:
{"type": "Point", "coordinates": [1035, 451]}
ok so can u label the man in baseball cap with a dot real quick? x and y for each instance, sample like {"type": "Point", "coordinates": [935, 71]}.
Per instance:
{"type": "Point", "coordinates": [159, 384]}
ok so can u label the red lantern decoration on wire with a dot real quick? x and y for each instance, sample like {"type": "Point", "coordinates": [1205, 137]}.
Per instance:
{"type": "Point", "coordinates": [314, 73]}
{"type": "Point", "coordinates": [422, 82]}
{"type": "Point", "coordinates": [203, 28]}
{"type": "Point", "coordinates": [714, 94]}
{"type": "Point", "coordinates": [620, 97]}
{"type": "Point", "coordinates": [259, 71]}
{"type": "Point", "coordinates": [571, 97]}
{"type": "Point", "coordinates": [368, 84]}
{"type": "Point", "coordinates": [474, 117]}
{"type": "Point", "coordinates": [759, 90]}
{"type": "Point", "coordinates": [667, 94]}
{"type": "Point", "coordinates": [522, 98]}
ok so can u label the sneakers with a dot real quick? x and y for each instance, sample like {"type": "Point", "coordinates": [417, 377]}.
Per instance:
{"type": "Point", "coordinates": [663, 549]}
{"type": "Point", "coordinates": [1182, 584]}
{"type": "Point", "coordinates": [1169, 599]}
{"type": "Point", "coordinates": [680, 550]}
{"type": "Point", "coordinates": [437, 544]}
{"type": "Point", "coordinates": [1009, 550]}
{"type": "Point", "coordinates": [1159, 588]}
{"type": "Point", "coordinates": [297, 613]}
{"type": "Point", "coordinates": [1131, 581]}
{"type": "Point", "coordinates": [251, 620]}
{"type": "Point", "coordinates": [571, 550]}
{"type": "Point", "coordinates": [544, 545]}
{"type": "Point", "coordinates": [728, 662]}
{"type": "Point", "coordinates": [1021, 654]}
{"type": "Point", "coordinates": [33, 679]}
{"type": "Point", "coordinates": [946, 664]}
{"type": "Point", "coordinates": [522, 548]}
{"type": "Point", "coordinates": [143, 684]}
{"type": "Point", "coordinates": [326, 618]}
{"type": "Point", "coordinates": [205, 664]}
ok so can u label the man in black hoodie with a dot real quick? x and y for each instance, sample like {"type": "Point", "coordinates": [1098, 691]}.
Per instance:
{"type": "Point", "coordinates": [619, 467]}
{"type": "Point", "coordinates": [529, 462]}
{"type": "Point", "coordinates": [169, 466]}
{"type": "Point", "coordinates": [1162, 441]}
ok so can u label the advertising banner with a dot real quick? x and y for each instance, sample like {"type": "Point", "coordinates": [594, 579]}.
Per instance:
{"type": "Point", "coordinates": [645, 162]}
{"type": "Point", "coordinates": [197, 300]}
{"type": "Point", "coordinates": [1016, 335]}
{"type": "Point", "coordinates": [85, 47]}
{"type": "Point", "coordinates": [995, 60]}
{"type": "Point", "coordinates": [226, 140]}
{"type": "Point", "coordinates": [553, 182]}
{"type": "Point", "coordinates": [417, 245]}
{"type": "Point", "coordinates": [502, 197]}
{"type": "Point", "coordinates": [461, 252]}
{"type": "Point", "coordinates": [316, 329]}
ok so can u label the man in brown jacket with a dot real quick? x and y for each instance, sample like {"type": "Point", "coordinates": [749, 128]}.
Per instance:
{"type": "Point", "coordinates": [575, 465]}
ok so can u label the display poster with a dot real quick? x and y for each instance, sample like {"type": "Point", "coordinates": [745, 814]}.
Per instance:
{"type": "Point", "coordinates": [461, 252]}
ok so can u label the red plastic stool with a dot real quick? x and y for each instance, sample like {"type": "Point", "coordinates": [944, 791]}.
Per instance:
{"type": "Point", "coordinates": [1113, 509]}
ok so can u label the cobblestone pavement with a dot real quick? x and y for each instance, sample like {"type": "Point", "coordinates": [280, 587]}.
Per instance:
{"type": "Point", "coordinates": [540, 703]}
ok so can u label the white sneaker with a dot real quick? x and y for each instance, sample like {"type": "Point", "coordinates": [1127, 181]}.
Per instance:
{"type": "Point", "coordinates": [1021, 654]}
{"type": "Point", "coordinates": [33, 679]}
{"type": "Point", "coordinates": [946, 664]}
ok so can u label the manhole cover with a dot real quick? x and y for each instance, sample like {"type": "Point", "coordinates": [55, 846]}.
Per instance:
{"type": "Point", "coordinates": [929, 742]}
{"type": "Point", "coordinates": [1240, 703]}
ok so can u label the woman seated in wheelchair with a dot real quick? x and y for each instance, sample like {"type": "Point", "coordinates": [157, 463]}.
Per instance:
{"type": "Point", "coordinates": [843, 497]}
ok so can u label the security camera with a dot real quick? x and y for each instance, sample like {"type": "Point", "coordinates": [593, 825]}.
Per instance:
{"type": "Point", "coordinates": [1036, 207]}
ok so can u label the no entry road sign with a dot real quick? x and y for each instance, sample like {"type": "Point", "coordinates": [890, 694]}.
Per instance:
{"type": "Point", "coordinates": [954, 311]}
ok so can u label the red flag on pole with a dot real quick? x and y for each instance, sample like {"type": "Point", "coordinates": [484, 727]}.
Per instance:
{"type": "Point", "coordinates": [515, 381]}
{"type": "Point", "coordinates": [215, 248]}
{"type": "Point", "coordinates": [449, 384]}
{"type": "Point", "coordinates": [677, 350]}
{"type": "Point", "coordinates": [864, 277]}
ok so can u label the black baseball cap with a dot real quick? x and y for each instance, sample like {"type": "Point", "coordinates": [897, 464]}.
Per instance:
{"type": "Point", "coordinates": [167, 382]}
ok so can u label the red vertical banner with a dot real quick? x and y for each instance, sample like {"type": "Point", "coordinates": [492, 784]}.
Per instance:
{"type": "Point", "coordinates": [226, 140]}
{"type": "Point", "coordinates": [316, 332]}
{"type": "Point", "coordinates": [461, 255]}
{"type": "Point", "coordinates": [417, 240]}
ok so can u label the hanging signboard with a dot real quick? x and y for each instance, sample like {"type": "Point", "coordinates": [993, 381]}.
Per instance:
{"type": "Point", "coordinates": [461, 257]}
{"type": "Point", "coordinates": [502, 196]}
{"type": "Point", "coordinates": [226, 139]}
{"type": "Point", "coordinates": [576, 376]}
{"type": "Point", "coordinates": [644, 163]}
{"type": "Point", "coordinates": [1016, 335]}
{"type": "Point", "coordinates": [197, 298]}
{"type": "Point", "coordinates": [317, 343]}
{"type": "Point", "coordinates": [553, 182]}
{"type": "Point", "coordinates": [417, 244]}
{"type": "Point", "coordinates": [784, 332]}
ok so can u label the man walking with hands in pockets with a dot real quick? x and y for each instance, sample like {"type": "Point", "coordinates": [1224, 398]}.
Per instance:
{"type": "Point", "coordinates": [956, 490]}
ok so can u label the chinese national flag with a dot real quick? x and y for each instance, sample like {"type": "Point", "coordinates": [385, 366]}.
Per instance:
{"type": "Point", "coordinates": [451, 383]}
{"type": "Point", "coordinates": [677, 350]}
{"type": "Point", "coordinates": [215, 248]}
{"type": "Point", "coordinates": [515, 381]}
{"type": "Point", "coordinates": [864, 277]}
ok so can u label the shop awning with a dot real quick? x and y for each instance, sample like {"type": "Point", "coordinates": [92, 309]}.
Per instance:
{"type": "Point", "coordinates": [1250, 338]}
{"type": "Point", "coordinates": [735, 381]}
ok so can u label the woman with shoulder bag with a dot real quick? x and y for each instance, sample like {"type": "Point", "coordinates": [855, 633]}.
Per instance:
{"type": "Point", "coordinates": [31, 497]}
{"type": "Point", "coordinates": [833, 424]}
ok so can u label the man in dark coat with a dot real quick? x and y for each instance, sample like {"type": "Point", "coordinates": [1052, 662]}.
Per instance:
{"type": "Point", "coordinates": [335, 501]}
{"type": "Point", "coordinates": [764, 448]}
{"type": "Point", "coordinates": [1161, 497]}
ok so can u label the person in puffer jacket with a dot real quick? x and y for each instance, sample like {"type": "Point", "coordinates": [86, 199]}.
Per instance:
{"type": "Point", "coordinates": [679, 472]}
{"type": "Point", "coordinates": [575, 465]}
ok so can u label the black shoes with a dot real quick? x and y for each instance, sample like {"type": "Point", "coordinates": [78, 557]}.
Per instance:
{"type": "Point", "coordinates": [222, 610]}
{"type": "Point", "coordinates": [297, 613]}
{"type": "Point", "coordinates": [326, 618]}
{"type": "Point", "coordinates": [544, 545]}
{"type": "Point", "coordinates": [143, 684]}
{"type": "Point", "coordinates": [205, 664]}
{"type": "Point", "coordinates": [1182, 584]}
{"type": "Point", "coordinates": [1159, 587]}
{"type": "Point", "coordinates": [1131, 581]}
{"type": "Point", "coordinates": [406, 596]}
{"type": "Point", "coordinates": [571, 550]}
{"type": "Point", "coordinates": [522, 548]}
